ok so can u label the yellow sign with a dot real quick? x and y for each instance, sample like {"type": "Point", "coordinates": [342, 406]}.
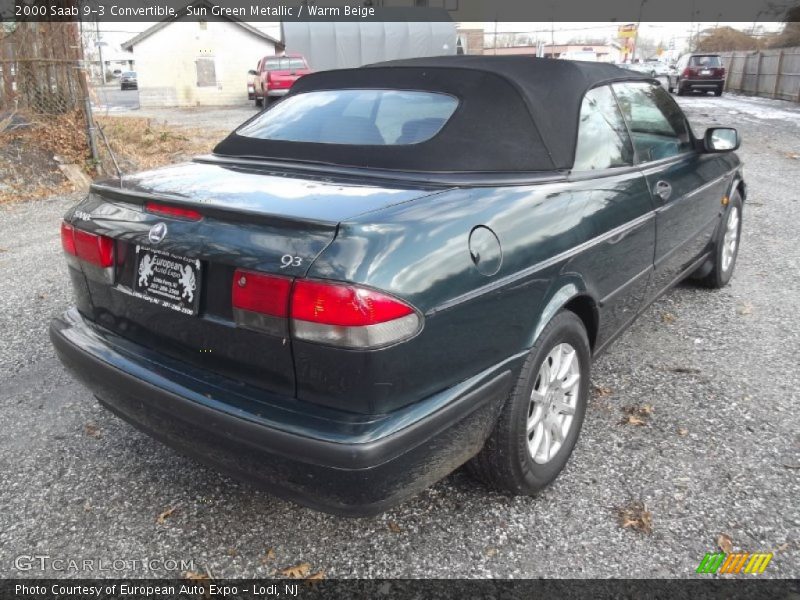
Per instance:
{"type": "Point", "coordinates": [626, 31]}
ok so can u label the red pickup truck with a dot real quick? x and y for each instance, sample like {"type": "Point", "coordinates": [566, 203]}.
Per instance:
{"type": "Point", "coordinates": [274, 76]}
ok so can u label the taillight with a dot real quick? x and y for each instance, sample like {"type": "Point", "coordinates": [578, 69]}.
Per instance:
{"type": "Point", "coordinates": [261, 301]}
{"type": "Point", "coordinates": [257, 292]}
{"type": "Point", "coordinates": [349, 316]}
{"type": "Point", "coordinates": [687, 72]}
{"type": "Point", "coordinates": [332, 313]}
{"type": "Point", "coordinates": [68, 239]}
{"type": "Point", "coordinates": [346, 305]}
{"type": "Point", "coordinates": [175, 212]}
{"type": "Point", "coordinates": [90, 247]}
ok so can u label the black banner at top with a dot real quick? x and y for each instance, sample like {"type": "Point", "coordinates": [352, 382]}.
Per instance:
{"type": "Point", "coordinates": [622, 11]}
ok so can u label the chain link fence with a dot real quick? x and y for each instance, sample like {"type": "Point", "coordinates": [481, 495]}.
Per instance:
{"type": "Point", "coordinates": [42, 68]}
{"type": "Point", "coordinates": [770, 73]}
{"type": "Point", "coordinates": [45, 98]}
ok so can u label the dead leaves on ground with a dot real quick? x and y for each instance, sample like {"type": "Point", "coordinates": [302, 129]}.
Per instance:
{"type": "Point", "coordinates": [725, 543]}
{"type": "Point", "coordinates": [745, 309]}
{"type": "Point", "coordinates": [296, 572]}
{"type": "Point", "coordinates": [162, 518]}
{"type": "Point", "coordinates": [602, 391]}
{"type": "Point", "coordinates": [93, 430]}
{"type": "Point", "coordinates": [667, 317]}
{"type": "Point", "coordinates": [636, 516]}
{"type": "Point", "coordinates": [636, 414]}
{"type": "Point", "coordinates": [303, 571]}
{"type": "Point", "coordinates": [315, 577]}
{"type": "Point", "coordinates": [394, 527]}
{"type": "Point", "coordinates": [269, 556]}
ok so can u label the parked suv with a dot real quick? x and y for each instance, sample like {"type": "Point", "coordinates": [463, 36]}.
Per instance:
{"type": "Point", "coordinates": [704, 72]}
{"type": "Point", "coordinates": [275, 75]}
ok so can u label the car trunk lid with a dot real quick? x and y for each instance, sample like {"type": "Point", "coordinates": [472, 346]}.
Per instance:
{"type": "Point", "coordinates": [217, 220]}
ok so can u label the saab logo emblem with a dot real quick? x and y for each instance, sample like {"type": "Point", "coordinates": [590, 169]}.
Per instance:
{"type": "Point", "coordinates": [733, 563]}
{"type": "Point", "coordinates": [157, 233]}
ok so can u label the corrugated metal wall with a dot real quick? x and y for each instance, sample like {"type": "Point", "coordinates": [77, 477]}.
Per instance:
{"type": "Point", "coordinates": [337, 45]}
{"type": "Point", "coordinates": [771, 73]}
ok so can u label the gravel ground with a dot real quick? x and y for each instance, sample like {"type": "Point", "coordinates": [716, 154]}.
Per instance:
{"type": "Point", "coordinates": [719, 453]}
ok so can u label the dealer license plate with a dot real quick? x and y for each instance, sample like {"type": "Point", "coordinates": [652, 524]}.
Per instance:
{"type": "Point", "coordinates": [168, 280]}
{"type": "Point", "coordinates": [705, 72]}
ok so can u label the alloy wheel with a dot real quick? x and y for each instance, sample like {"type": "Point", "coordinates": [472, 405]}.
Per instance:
{"type": "Point", "coordinates": [553, 402]}
{"type": "Point", "coordinates": [731, 238]}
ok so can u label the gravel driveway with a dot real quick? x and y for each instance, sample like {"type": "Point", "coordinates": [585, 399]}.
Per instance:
{"type": "Point", "coordinates": [718, 454]}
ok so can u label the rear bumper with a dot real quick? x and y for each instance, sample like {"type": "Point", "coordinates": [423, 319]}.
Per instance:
{"type": "Point", "coordinates": [329, 460]}
{"type": "Point", "coordinates": [702, 84]}
{"type": "Point", "coordinates": [275, 93]}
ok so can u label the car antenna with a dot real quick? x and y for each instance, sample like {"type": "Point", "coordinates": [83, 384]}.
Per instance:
{"type": "Point", "coordinates": [110, 151]}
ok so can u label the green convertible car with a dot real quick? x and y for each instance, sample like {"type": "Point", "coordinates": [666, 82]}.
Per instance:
{"type": "Point", "coordinates": [396, 270]}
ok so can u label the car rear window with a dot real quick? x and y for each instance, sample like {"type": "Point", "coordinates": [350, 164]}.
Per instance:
{"type": "Point", "coordinates": [355, 117]}
{"type": "Point", "coordinates": [705, 61]}
{"type": "Point", "coordinates": [284, 64]}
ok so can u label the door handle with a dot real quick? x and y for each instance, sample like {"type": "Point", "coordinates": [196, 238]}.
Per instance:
{"type": "Point", "coordinates": [663, 190]}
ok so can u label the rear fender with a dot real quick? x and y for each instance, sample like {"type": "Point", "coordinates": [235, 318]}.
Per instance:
{"type": "Point", "coordinates": [562, 292]}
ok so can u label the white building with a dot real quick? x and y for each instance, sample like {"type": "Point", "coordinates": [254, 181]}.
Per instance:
{"type": "Point", "coordinates": [197, 63]}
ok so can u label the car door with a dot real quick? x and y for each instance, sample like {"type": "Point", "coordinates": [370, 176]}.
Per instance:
{"type": "Point", "coordinates": [685, 185]}
{"type": "Point", "coordinates": [618, 215]}
{"type": "Point", "coordinates": [676, 71]}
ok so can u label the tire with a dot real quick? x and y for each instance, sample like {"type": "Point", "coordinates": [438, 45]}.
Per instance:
{"type": "Point", "coordinates": [681, 89]}
{"type": "Point", "coordinates": [506, 462]}
{"type": "Point", "coordinates": [723, 257]}
{"type": "Point", "coordinates": [259, 102]}
{"type": "Point", "coordinates": [718, 91]}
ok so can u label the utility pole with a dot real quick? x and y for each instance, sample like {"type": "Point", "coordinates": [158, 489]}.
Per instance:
{"type": "Point", "coordinates": [99, 45]}
{"type": "Point", "coordinates": [636, 33]}
{"type": "Point", "coordinates": [87, 102]}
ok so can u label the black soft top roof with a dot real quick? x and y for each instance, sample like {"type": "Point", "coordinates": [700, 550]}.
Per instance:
{"type": "Point", "coordinates": [515, 114]}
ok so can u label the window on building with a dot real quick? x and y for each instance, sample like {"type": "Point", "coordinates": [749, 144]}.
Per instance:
{"type": "Point", "coordinates": [206, 72]}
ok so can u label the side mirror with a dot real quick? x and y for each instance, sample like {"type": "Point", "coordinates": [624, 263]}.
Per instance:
{"type": "Point", "coordinates": [721, 139]}
{"type": "Point", "coordinates": [252, 72]}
